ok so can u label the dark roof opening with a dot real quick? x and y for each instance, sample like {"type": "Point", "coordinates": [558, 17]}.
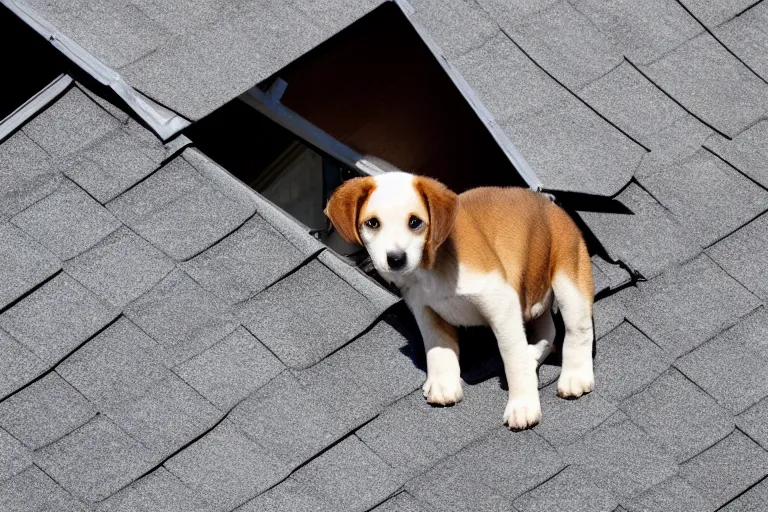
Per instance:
{"type": "Point", "coordinates": [288, 171]}
{"type": "Point", "coordinates": [377, 88]}
{"type": "Point", "coordinates": [29, 62]}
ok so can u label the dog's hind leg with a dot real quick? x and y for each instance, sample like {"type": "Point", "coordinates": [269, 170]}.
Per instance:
{"type": "Point", "coordinates": [574, 295]}
{"type": "Point", "coordinates": [541, 337]}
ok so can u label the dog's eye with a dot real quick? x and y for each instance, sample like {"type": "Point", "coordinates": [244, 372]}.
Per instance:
{"type": "Point", "coordinates": [372, 223]}
{"type": "Point", "coordinates": [415, 223]}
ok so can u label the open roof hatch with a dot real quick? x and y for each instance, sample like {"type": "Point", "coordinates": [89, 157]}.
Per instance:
{"type": "Point", "coordinates": [372, 92]}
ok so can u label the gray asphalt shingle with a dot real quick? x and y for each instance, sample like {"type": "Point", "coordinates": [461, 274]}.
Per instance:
{"type": "Point", "coordinates": [112, 164]}
{"type": "Point", "coordinates": [56, 318]}
{"type": "Point", "coordinates": [726, 469]}
{"type": "Point", "coordinates": [569, 490]}
{"type": "Point", "coordinates": [412, 436]}
{"type": "Point", "coordinates": [291, 422]}
{"type": "Point", "coordinates": [195, 73]}
{"type": "Point", "coordinates": [120, 268]}
{"type": "Point", "coordinates": [45, 411]}
{"type": "Point", "coordinates": [95, 460]}
{"type": "Point", "coordinates": [14, 456]}
{"type": "Point", "coordinates": [631, 102]}
{"type": "Point", "coordinates": [181, 316]}
{"type": "Point", "coordinates": [679, 415]}
{"type": "Point", "coordinates": [742, 254]}
{"type": "Point", "coordinates": [754, 422]}
{"type": "Point", "coordinates": [457, 27]}
{"type": "Point", "coordinates": [159, 490]}
{"type": "Point", "coordinates": [683, 308]}
{"type": "Point", "coordinates": [706, 195]}
{"type": "Point", "coordinates": [291, 496]}
{"type": "Point", "coordinates": [169, 415]}
{"type": "Point", "coordinates": [444, 488]}
{"type": "Point", "coordinates": [563, 141]}
{"type": "Point", "coordinates": [578, 55]}
{"type": "Point", "coordinates": [565, 421]}
{"type": "Point", "coordinates": [608, 313]}
{"type": "Point", "coordinates": [25, 174]}
{"type": "Point", "coordinates": [619, 457]}
{"type": "Point", "coordinates": [70, 124]}
{"type": "Point", "coordinates": [17, 366]}
{"type": "Point", "coordinates": [226, 466]}
{"type": "Point", "coordinates": [365, 376]}
{"type": "Point", "coordinates": [116, 366]}
{"type": "Point", "coordinates": [671, 495]}
{"type": "Point", "coordinates": [747, 37]}
{"type": "Point", "coordinates": [732, 366]}
{"type": "Point", "coordinates": [231, 369]}
{"type": "Point", "coordinates": [747, 152]}
{"type": "Point", "coordinates": [712, 13]}
{"type": "Point", "coordinates": [352, 474]}
{"type": "Point", "coordinates": [68, 221]}
{"type": "Point", "coordinates": [244, 263]}
{"type": "Point", "coordinates": [23, 263]}
{"type": "Point", "coordinates": [648, 239]}
{"type": "Point", "coordinates": [179, 211]}
{"type": "Point", "coordinates": [401, 502]}
{"type": "Point", "coordinates": [711, 83]}
{"type": "Point", "coordinates": [522, 462]}
{"type": "Point", "coordinates": [751, 501]}
{"type": "Point", "coordinates": [115, 33]}
{"type": "Point", "coordinates": [626, 347]}
{"type": "Point", "coordinates": [643, 31]}
{"type": "Point", "coordinates": [34, 490]}
{"type": "Point", "coordinates": [497, 68]}
{"type": "Point", "coordinates": [307, 315]}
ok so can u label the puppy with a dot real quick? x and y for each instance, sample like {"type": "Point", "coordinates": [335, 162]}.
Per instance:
{"type": "Point", "coordinates": [489, 256]}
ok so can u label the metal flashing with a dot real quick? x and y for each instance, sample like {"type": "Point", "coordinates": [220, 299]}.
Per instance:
{"type": "Point", "coordinates": [162, 121]}
{"type": "Point", "coordinates": [34, 105]}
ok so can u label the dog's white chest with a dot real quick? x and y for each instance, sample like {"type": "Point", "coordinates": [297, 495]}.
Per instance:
{"type": "Point", "coordinates": [458, 311]}
{"type": "Point", "coordinates": [445, 298]}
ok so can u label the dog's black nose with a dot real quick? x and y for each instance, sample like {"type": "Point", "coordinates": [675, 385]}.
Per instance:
{"type": "Point", "coordinates": [396, 260]}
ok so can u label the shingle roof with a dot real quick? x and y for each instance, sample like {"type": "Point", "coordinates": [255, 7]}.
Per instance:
{"type": "Point", "coordinates": [170, 340]}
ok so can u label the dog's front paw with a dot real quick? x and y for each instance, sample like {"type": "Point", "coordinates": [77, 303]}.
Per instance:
{"type": "Point", "coordinates": [575, 382]}
{"type": "Point", "coordinates": [443, 390]}
{"type": "Point", "coordinates": [522, 413]}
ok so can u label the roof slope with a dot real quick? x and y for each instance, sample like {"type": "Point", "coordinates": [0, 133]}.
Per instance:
{"type": "Point", "coordinates": [171, 341]}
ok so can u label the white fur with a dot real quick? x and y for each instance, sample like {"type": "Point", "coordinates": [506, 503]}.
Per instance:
{"type": "Point", "coordinates": [577, 375]}
{"type": "Point", "coordinates": [393, 202]}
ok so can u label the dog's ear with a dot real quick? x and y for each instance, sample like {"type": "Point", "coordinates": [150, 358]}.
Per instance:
{"type": "Point", "coordinates": [442, 205]}
{"type": "Point", "coordinates": [344, 206]}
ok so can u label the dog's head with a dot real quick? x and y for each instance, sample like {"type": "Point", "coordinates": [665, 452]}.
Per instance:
{"type": "Point", "coordinates": [400, 218]}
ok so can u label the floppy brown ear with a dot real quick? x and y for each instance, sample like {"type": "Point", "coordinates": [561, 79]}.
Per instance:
{"type": "Point", "coordinates": [442, 205]}
{"type": "Point", "coordinates": [344, 206]}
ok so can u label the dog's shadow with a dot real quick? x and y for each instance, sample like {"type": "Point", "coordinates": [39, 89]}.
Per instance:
{"type": "Point", "coordinates": [479, 355]}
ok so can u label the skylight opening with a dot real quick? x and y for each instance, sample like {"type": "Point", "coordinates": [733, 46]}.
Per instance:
{"type": "Point", "coordinates": [29, 63]}
{"type": "Point", "coordinates": [372, 92]}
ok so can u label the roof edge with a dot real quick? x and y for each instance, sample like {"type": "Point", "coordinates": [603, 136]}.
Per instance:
{"type": "Point", "coordinates": [161, 120]}
{"type": "Point", "coordinates": [34, 105]}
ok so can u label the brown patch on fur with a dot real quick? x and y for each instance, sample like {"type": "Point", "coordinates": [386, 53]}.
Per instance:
{"type": "Point", "coordinates": [345, 204]}
{"type": "Point", "coordinates": [442, 206]}
{"type": "Point", "coordinates": [524, 236]}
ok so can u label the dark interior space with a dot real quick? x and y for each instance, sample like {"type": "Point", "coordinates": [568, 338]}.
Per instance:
{"type": "Point", "coordinates": [376, 87]}
{"type": "Point", "coordinates": [29, 62]}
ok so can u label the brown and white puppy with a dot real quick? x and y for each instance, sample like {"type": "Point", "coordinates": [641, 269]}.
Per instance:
{"type": "Point", "coordinates": [489, 256]}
